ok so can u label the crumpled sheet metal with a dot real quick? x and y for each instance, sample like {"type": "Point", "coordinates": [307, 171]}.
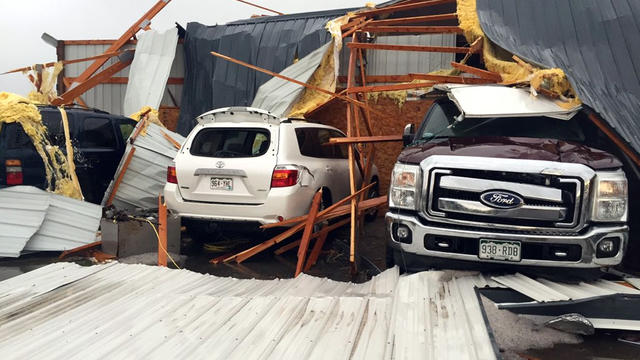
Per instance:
{"type": "Point", "coordinates": [146, 174]}
{"type": "Point", "coordinates": [572, 323]}
{"type": "Point", "coordinates": [138, 311]}
{"type": "Point", "coordinates": [35, 220]}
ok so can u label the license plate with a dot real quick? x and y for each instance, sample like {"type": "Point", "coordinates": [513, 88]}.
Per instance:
{"type": "Point", "coordinates": [500, 250]}
{"type": "Point", "coordinates": [221, 183]}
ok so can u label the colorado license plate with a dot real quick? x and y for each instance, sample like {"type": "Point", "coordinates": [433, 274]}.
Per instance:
{"type": "Point", "coordinates": [500, 250]}
{"type": "Point", "coordinates": [221, 183]}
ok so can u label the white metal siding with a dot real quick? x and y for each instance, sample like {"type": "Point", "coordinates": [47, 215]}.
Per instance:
{"type": "Point", "coordinates": [386, 62]}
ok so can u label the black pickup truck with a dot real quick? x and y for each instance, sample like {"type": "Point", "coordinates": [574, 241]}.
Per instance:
{"type": "Point", "coordinates": [98, 139]}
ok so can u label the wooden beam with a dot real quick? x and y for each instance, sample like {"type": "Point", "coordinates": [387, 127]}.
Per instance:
{"type": "Point", "coordinates": [380, 88]}
{"type": "Point", "coordinates": [125, 80]}
{"type": "Point", "coordinates": [404, 7]}
{"type": "Point", "coordinates": [484, 74]}
{"type": "Point", "coordinates": [364, 139]}
{"type": "Point", "coordinates": [173, 142]}
{"type": "Point", "coordinates": [287, 247]}
{"type": "Point", "coordinates": [79, 248]}
{"type": "Point", "coordinates": [269, 72]}
{"type": "Point", "coordinates": [139, 24]}
{"type": "Point", "coordinates": [317, 247]}
{"type": "Point", "coordinates": [260, 7]}
{"type": "Point", "coordinates": [68, 96]}
{"type": "Point", "coordinates": [353, 22]}
{"type": "Point", "coordinates": [67, 84]}
{"type": "Point", "coordinates": [355, 28]}
{"type": "Point", "coordinates": [451, 79]}
{"type": "Point", "coordinates": [442, 49]}
{"type": "Point", "coordinates": [415, 19]}
{"type": "Point", "coordinates": [162, 232]}
{"type": "Point", "coordinates": [379, 79]}
{"type": "Point", "coordinates": [308, 229]}
{"type": "Point", "coordinates": [116, 184]}
{"type": "Point", "coordinates": [67, 62]}
{"type": "Point", "coordinates": [413, 29]}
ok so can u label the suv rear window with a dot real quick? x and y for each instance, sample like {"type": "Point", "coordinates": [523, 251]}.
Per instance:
{"type": "Point", "coordinates": [231, 142]}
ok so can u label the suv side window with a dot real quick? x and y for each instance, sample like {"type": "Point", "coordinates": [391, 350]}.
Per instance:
{"type": "Point", "coordinates": [126, 127]}
{"type": "Point", "coordinates": [97, 133]}
{"type": "Point", "coordinates": [310, 142]}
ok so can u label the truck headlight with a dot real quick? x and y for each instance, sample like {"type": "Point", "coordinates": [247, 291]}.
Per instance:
{"type": "Point", "coordinates": [405, 186]}
{"type": "Point", "coordinates": [610, 199]}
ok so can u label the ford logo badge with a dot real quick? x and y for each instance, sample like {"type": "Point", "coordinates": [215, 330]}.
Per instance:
{"type": "Point", "coordinates": [501, 199]}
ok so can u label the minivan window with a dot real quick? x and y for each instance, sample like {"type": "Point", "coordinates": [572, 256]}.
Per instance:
{"type": "Point", "coordinates": [440, 123]}
{"type": "Point", "coordinates": [231, 142]}
{"type": "Point", "coordinates": [311, 140]}
{"type": "Point", "coordinates": [97, 133]}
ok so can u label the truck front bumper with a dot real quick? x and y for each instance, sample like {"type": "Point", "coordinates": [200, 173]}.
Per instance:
{"type": "Point", "coordinates": [542, 245]}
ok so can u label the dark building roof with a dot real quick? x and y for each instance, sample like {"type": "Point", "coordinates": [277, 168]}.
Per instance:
{"type": "Point", "coordinates": [596, 43]}
{"type": "Point", "coordinates": [271, 42]}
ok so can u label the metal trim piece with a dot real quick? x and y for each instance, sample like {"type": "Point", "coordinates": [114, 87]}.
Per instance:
{"type": "Point", "coordinates": [544, 213]}
{"type": "Point", "coordinates": [482, 185]}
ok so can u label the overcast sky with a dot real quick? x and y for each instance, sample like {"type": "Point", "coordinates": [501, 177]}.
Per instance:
{"type": "Point", "coordinates": [23, 21]}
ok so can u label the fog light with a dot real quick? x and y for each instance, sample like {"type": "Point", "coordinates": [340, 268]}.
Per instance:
{"type": "Point", "coordinates": [607, 248]}
{"type": "Point", "coordinates": [402, 233]}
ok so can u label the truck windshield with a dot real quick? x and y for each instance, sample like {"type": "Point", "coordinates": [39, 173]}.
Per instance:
{"type": "Point", "coordinates": [440, 123]}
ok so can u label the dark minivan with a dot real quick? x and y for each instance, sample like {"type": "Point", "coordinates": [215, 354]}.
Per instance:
{"type": "Point", "coordinates": [98, 139]}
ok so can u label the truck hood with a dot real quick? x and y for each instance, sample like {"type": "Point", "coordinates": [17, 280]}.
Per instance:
{"type": "Point", "coordinates": [512, 148]}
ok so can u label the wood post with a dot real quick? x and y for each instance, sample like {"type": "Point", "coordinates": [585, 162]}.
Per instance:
{"type": "Point", "coordinates": [162, 232]}
{"type": "Point", "coordinates": [308, 229]}
{"type": "Point", "coordinates": [116, 184]}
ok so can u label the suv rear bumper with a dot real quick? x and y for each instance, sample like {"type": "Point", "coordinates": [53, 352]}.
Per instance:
{"type": "Point", "coordinates": [286, 202]}
{"type": "Point", "coordinates": [587, 241]}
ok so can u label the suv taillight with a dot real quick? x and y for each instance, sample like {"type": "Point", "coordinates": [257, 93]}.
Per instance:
{"type": "Point", "coordinates": [14, 172]}
{"type": "Point", "coordinates": [171, 175]}
{"type": "Point", "coordinates": [284, 176]}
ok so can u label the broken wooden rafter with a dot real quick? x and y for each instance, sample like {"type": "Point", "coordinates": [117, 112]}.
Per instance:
{"type": "Point", "coordinates": [379, 79]}
{"type": "Point", "coordinates": [483, 74]}
{"type": "Point", "coordinates": [403, 7]}
{"type": "Point", "coordinates": [260, 7]}
{"type": "Point", "coordinates": [364, 139]}
{"type": "Point", "coordinates": [396, 87]}
{"type": "Point", "coordinates": [442, 49]}
{"type": "Point", "coordinates": [355, 28]}
{"type": "Point", "coordinates": [413, 29]}
{"type": "Point", "coordinates": [415, 19]}
{"type": "Point", "coordinates": [351, 23]}
{"type": "Point", "coordinates": [137, 26]}
{"type": "Point", "coordinates": [308, 230]}
{"type": "Point", "coordinates": [75, 92]}
{"type": "Point", "coordinates": [67, 62]}
{"type": "Point", "coordinates": [116, 184]}
{"type": "Point", "coordinates": [451, 79]}
{"type": "Point", "coordinates": [275, 74]}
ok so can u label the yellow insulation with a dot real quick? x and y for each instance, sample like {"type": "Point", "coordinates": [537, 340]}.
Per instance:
{"type": "Point", "coordinates": [14, 108]}
{"type": "Point", "coordinates": [148, 113]}
{"type": "Point", "coordinates": [47, 91]}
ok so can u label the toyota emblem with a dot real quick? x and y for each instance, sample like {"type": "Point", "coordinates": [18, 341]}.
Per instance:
{"type": "Point", "coordinates": [220, 164]}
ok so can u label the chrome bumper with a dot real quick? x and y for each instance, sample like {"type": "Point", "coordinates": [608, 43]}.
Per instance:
{"type": "Point", "coordinates": [587, 241]}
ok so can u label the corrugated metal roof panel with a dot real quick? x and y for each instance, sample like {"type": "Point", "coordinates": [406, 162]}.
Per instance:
{"type": "Point", "coordinates": [404, 62]}
{"type": "Point", "coordinates": [594, 42]}
{"type": "Point", "coordinates": [147, 172]}
{"type": "Point", "coordinates": [21, 215]}
{"type": "Point", "coordinates": [544, 290]}
{"type": "Point", "coordinates": [137, 311]}
{"type": "Point", "coordinates": [634, 281]}
{"type": "Point", "coordinates": [278, 95]}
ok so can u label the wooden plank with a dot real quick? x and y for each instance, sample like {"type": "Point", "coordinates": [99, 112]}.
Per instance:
{"type": "Point", "coordinates": [145, 19]}
{"type": "Point", "coordinates": [403, 7]}
{"type": "Point", "coordinates": [80, 248]}
{"type": "Point", "coordinates": [315, 253]}
{"type": "Point", "coordinates": [287, 247]}
{"type": "Point", "coordinates": [125, 80]}
{"type": "Point", "coordinates": [451, 79]}
{"type": "Point", "coordinates": [260, 7]}
{"type": "Point", "coordinates": [352, 184]}
{"type": "Point", "coordinates": [75, 92]}
{"type": "Point", "coordinates": [116, 184]}
{"type": "Point", "coordinates": [171, 140]}
{"type": "Point", "coordinates": [484, 74]}
{"type": "Point", "coordinates": [355, 28]}
{"type": "Point", "coordinates": [442, 49]}
{"type": "Point", "coordinates": [67, 62]}
{"type": "Point", "coordinates": [162, 232]}
{"type": "Point", "coordinates": [364, 139]}
{"type": "Point", "coordinates": [351, 23]}
{"type": "Point", "coordinates": [378, 79]}
{"type": "Point", "coordinates": [413, 29]}
{"type": "Point", "coordinates": [303, 218]}
{"type": "Point", "coordinates": [312, 87]}
{"type": "Point", "coordinates": [379, 88]}
{"type": "Point", "coordinates": [308, 229]}
{"type": "Point", "coordinates": [415, 19]}
{"type": "Point", "coordinates": [79, 100]}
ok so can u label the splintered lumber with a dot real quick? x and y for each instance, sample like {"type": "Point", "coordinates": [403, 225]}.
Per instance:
{"type": "Point", "coordinates": [312, 87]}
{"type": "Point", "coordinates": [380, 88]}
{"type": "Point", "coordinates": [376, 46]}
{"type": "Point", "coordinates": [303, 218]}
{"type": "Point", "coordinates": [308, 229]}
{"type": "Point", "coordinates": [141, 23]}
{"type": "Point", "coordinates": [352, 23]}
{"type": "Point", "coordinates": [68, 96]}
{"type": "Point", "coordinates": [171, 140]}
{"type": "Point", "coordinates": [483, 74]}
{"type": "Point", "coordinates": [315, 253]}
{"type": "Point", "coordinates": [260, 7]}
{"type": "Point", "coordinates": [79, 249]}
{"type": "Point", "coordinates": [451, 79]}
{"type": "Point", "coordinates": [364, 139]}
{"type": "Point", "coordinates": [415, 19]}
{"type": "Point", "coordinates": [417, 29]}
{"type": "Point", "coordinates": [403, 7]}
{"type": "Point", "coordinates": [116, 184]}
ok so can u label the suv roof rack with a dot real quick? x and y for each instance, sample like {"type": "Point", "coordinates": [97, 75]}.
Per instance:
{"type": "Point", "coordinates": [76, 106]}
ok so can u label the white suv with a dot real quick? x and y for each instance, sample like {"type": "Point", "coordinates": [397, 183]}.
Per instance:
{"type": "Point", "coordinates": [245, 164]}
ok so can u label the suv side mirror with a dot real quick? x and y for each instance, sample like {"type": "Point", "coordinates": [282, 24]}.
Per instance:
{"type": "Point", "coordinates": [408, 134]}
